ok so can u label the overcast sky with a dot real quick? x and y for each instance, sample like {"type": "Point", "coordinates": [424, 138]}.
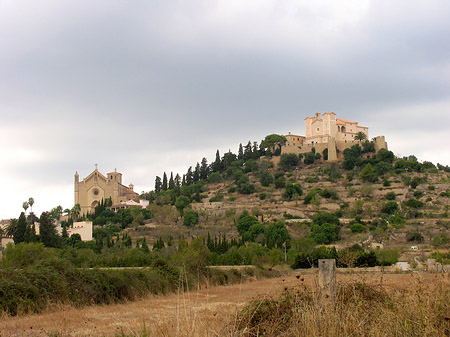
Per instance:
{"type": "Point", "coordinates": [153, 86]}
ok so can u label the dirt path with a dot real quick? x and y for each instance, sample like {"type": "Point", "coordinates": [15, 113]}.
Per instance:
{"type": "Point", "coordinates": [199, 313]}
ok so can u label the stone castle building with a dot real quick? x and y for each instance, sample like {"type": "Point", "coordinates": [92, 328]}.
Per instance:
{"type": "Point", "coordinates": [95, 187]}
{"type": "Point", "coordinates": [328, 132]}
{"type": "Point", "coordinates": [319, 129]}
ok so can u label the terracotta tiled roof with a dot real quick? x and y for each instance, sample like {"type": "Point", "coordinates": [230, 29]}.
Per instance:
{"type": "Point", "coordinates": [345, 121]}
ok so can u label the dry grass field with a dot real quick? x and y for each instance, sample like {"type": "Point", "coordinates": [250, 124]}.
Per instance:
{"type": "Point", "coordinates": [211, 311]}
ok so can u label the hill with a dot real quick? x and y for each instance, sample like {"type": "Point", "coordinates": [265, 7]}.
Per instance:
{"type": "Point", "coordinates": [380, 200]}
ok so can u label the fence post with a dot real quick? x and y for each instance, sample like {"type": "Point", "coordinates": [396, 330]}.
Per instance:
{"type": "Point", "coordinates": [327, 279]}
{"type": "Point", "coordinates": [431, 265]}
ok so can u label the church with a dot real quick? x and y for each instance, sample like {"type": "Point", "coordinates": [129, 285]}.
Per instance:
{"type": "Point", "coordinates": [327, 132]}
{"type": "Point", "coordinates": [91, 190]}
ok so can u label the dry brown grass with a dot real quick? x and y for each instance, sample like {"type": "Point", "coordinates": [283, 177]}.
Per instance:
{"type": "Point", "coordinates": [372, 304]}
{"type": "Point", "coordinates": [419, 306]}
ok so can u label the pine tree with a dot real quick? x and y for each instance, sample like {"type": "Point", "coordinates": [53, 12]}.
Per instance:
{"type": "Point", "coordinates": [177, 180]}
{"type": "Point", "coordinates": [216, 166]}
{"type": "Point", "coordinates": [255, 151]}
{"type": "Point", "coordinates": [247, 151]}
{"type": "Point", "coordinates": [164, 182]}
{"type": "Point", "coordinates": [189, 178]}
{"type": "Point", "coordinates": [196, 174]}
{"type": "Point", "coordinates": [240, 155]}
{"type": "Point", "coordinates": [158, 184]}
{"type": "Point", "coordinates": [204, 169]}
{"type": "Point", "coordinates": [183, 182]}
{"type": "Point", "coordinates": [171, 182]}
{"type": "Point", "coordinates": [144, 246]}
{"type": "Point", "coordinates": [21, 227]}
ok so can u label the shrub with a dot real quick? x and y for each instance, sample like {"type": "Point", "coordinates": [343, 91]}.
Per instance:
{"type": "Point", "coordinates": [217, 197]}
{"type": "Point", "coordinates": [358, 228]}
{"type": "Point", "coordinates": [390, 207]}
{"type": "Point", "coordinates": [310, 157]}
{"type": "Point", "coordinates": [325, 233]}
{"type": "Point", "coordinates": [266, 178]}
{"type": "Point", "coordinates": [215, 178]}
{"type": "Point", "coordinates": [414, 236]}
{"type": "Point", "coordinates": [368, 174]}
{"type": "Point", "coordinates": [244, 222]}
{"type": "Point", "coordinates": [280, 182]}
{"type": "Point", "coordinates": [292, 190]}
{"type": "Point", "coordinates": [246, 188]}
{"type": "Point", "coordinates": [413, 203]}
{"type": "Point", "coordinates": [390, 196]}
{"type": "Point", "coordinates": [288, 161]}
{"type": "Point", "coordinates": [310, 196]}
{"type": "Point", "coordinates": [329, 194]}
{"type": "Point", "coordinates": [190, 218]}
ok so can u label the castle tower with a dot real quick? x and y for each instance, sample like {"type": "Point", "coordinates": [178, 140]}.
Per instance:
{"type": "Point", "coordinates": [77, 182]}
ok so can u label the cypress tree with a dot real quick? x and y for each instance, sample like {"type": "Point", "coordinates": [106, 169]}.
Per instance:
{"type": "Point", "coordinates": [47, 231]}
{"type": "Point", "coordinates": [21, 227]}
{"type": "Point", "coordinates": [255, 151]}
{"type": "Point", "coordinates": [158, 184]}
{"type": "Point", "coordinates": [164, 182]}
{"type": "Point", "coordinates": [196, 175]}
{"type": "Point", "coordinates": [189, 178]}
{"type": "Point", "coordinates": [247, 151]}
{"type": "Point", "coordinates": [216, 166]}
{"type": "Point", "coordinates": [171, 182]}
{"type": "Point", "coordinates": [240, 152]}
{"type": "Point", "coordinates": [204, 169]}
{"type": "Point", "coordinates": [144, 246]}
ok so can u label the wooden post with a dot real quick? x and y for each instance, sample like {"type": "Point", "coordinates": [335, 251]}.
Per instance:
{"type": "Point", "coordinates": [327, 279]}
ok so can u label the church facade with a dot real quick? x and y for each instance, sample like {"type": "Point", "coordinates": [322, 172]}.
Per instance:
{"type": "Point", "coordinates": [91, 190]}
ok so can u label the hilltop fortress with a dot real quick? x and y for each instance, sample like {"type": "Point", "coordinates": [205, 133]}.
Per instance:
{"type": "Point", "coordinates": [331, 133]}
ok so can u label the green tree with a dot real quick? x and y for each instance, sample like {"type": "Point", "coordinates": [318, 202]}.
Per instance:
{"type": "Point", "coordinates": [277, 235]}
{"type": "Point", "coordinates": [75, 211]}
{"type": "Point", "coordinates": [271, 141]}
{"type": "Point", "coordinates": [289, 161]}
{"type": "Point", "coordinates": [177, 180]}
{"type": "Point", "coordinates": [31, 203]}
{"type": "Point", "coordinates": [266, 178]}
{"type": "Point", "coordinates": [190, 218]}
{"type": "Point", "coordinates": [368, 174]}
{"type": "Point", "coordinates": [244, 222]}
{"type": "Point", "coordinates": [25, 206]}
{"type": "Point", "coordinates": [20, 229]}
{"type": "Point", "coordinates": [385, 155]}
{"type": "Point", "coordinates": [181, 203]}
{"type": "Point", "coordinates": [164, 182]}
{"type": "Point", "coordinates": [360, 136]}
{"type": "Point", "coordinates": [47, 231]}
{"type": "Point", "coordinates": [171, 182]}
{"type": "Point", "coordinates": [325, 233]}
{"type": "Point", "coordinates": [204, 169]}
{"type": "Point", "coordinates": [292, 190]}
{"type": "Point", "coordinates": [390, 207]}
{"type": "Point", "coordinates": [216, 166]}
{"type": "Point", "coordinates": [280, 182]}
{"type": "Point", "coordinates": [158, 184]}
{"type": "Point", "coordinates": [310, 157]}
{"type": "Point", "coordinates": [240, 152]}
